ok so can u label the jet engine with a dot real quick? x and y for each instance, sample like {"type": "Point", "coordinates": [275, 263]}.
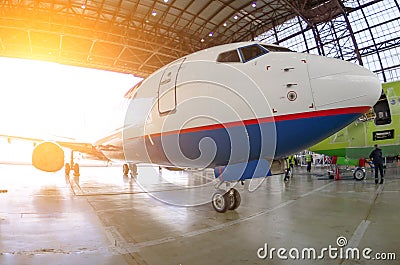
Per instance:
{"type": "Point", "coordinates": [48, 156]}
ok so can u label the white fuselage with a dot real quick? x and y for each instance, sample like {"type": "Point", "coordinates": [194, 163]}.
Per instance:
{"type": "Point", "coordinates": [206, 110]}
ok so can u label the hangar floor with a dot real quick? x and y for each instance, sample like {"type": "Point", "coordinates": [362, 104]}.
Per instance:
{"type": "Point", "coordinates": [103, 218]}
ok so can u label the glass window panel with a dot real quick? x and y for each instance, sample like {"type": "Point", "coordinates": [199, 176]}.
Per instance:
{"type": "Point", "coordinates": [251, 52]}
{"type": "Point", "coordinates": [385, 34]}
{"type": "Point", "coordinates": [229, 57]}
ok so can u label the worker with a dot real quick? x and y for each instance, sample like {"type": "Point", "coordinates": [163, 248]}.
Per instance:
{"type": "Point", "coordinates": [308, 161]}
{"type": "Point", "coordinates": [289, 167]}
{"type": "Point", "coordinates": [376, 157]}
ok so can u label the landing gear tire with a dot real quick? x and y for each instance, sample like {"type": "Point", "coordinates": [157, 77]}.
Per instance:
{"type": "Point", "coordinates": [76, 170]}
{"type": "Point", "coordinates": [235, 199]}
{"type": "Point", "coordinates": [67, 169]}
{"type": "Point", "coordinates": [359, 174]}
{"type": "Point", "coordinates": [125, 169]}
{"type": "Point", "coordinates": [133, 168]}
{"type": "Point", "coordinates": [221, 200]}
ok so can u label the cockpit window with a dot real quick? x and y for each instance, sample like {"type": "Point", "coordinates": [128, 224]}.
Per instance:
{"type": "Point", "coordinates": [275, 48]}
{"type": "Point", "coordinates": [251, 52]}
{"type": "Point", "coordinates": [382, 111]}
{"type": "Point", "coordinates": [229, 57]}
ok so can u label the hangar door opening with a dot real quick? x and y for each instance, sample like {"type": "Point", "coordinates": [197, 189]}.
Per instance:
{"type": "Point", "coordinates": [167, 87]}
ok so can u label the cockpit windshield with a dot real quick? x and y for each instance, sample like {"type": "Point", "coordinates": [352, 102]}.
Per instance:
{"type": "Point", "coordinates": [276, 48]}
{"type": "Point", "coordinates": [229, 57]}
{"type": "Point", "coordinates": [248, 53]}
{"type": "Point", "coordinates": [251, 52]}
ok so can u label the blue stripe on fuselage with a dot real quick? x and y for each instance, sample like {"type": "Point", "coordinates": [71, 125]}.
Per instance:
{"type": "Point", "coordinates": [291, 136]}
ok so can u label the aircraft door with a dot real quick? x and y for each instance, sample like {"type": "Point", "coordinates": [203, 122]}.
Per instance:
{"type": "Point", "coordinates": [291, 77]}
{"type": "Point", "coordinates": [167, 88]}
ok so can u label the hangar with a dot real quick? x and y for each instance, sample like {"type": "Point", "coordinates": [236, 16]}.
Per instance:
{"type": "Point", "coordinates": [139, 37]}
{"type": "Point", "coordinates": [94, 220]}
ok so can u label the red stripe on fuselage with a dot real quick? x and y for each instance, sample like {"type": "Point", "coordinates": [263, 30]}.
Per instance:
{"type": "Point", "coordinates": [287, 117]}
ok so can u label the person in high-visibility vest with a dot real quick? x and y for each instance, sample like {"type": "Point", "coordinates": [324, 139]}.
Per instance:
{"type": "Point", "coordinates": [308, 161]}
{"type": "Point", "coordinates": [289, 167]}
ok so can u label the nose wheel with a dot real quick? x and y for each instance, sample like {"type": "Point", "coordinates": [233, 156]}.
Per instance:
{"type": "Point", "coordinates": [235, 199]}
{"type": "Point", "coordinates": [221, 201]}
{"type": "Point", "coordinates": [225, 200]}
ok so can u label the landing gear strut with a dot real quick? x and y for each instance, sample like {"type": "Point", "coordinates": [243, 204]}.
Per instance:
{"type": "Point", "coordinates": [226, 200]}
{"type": "Point", "coordinates": [72, 165]}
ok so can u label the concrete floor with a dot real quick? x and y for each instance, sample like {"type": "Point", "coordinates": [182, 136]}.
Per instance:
{"type": "Point", "coordinates": [104, 218]}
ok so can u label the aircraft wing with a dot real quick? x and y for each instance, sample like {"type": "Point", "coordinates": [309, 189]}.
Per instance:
{"type": "Point", "coordinates": [85, 148]}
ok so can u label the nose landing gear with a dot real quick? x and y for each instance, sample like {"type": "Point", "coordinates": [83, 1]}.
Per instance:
{"type": "Point", "coordinates": [225, 200]}
{"type": "Point", "coordinates": [72, 165]}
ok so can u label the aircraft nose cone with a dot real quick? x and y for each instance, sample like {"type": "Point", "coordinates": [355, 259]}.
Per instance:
{"type": "Point", "coordinates": [340, 84]}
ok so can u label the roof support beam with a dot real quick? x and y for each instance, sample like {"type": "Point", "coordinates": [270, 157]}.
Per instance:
{"type": "Point", "coordinates": [297, 11]}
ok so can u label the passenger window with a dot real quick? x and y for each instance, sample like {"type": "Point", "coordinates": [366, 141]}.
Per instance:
{"type": "Point", "coordinates": [251, 52]}
{"type": "Point", "coordinates": [229, 57]}
{"type": "Point", "coordinates": [382, 111]}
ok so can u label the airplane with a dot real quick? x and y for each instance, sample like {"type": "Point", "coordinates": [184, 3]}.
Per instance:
{"type": "Point", "coordinates": [380, 125]}
{"type": "Point", "coordinates": [238, 108]}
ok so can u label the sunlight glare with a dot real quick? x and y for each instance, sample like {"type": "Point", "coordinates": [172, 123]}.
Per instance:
{"type": "Point", "coordinates": [44, 100]}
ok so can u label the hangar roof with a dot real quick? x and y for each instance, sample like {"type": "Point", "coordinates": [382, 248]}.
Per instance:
{"type": "Point", "coordinates": [139, 36]}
